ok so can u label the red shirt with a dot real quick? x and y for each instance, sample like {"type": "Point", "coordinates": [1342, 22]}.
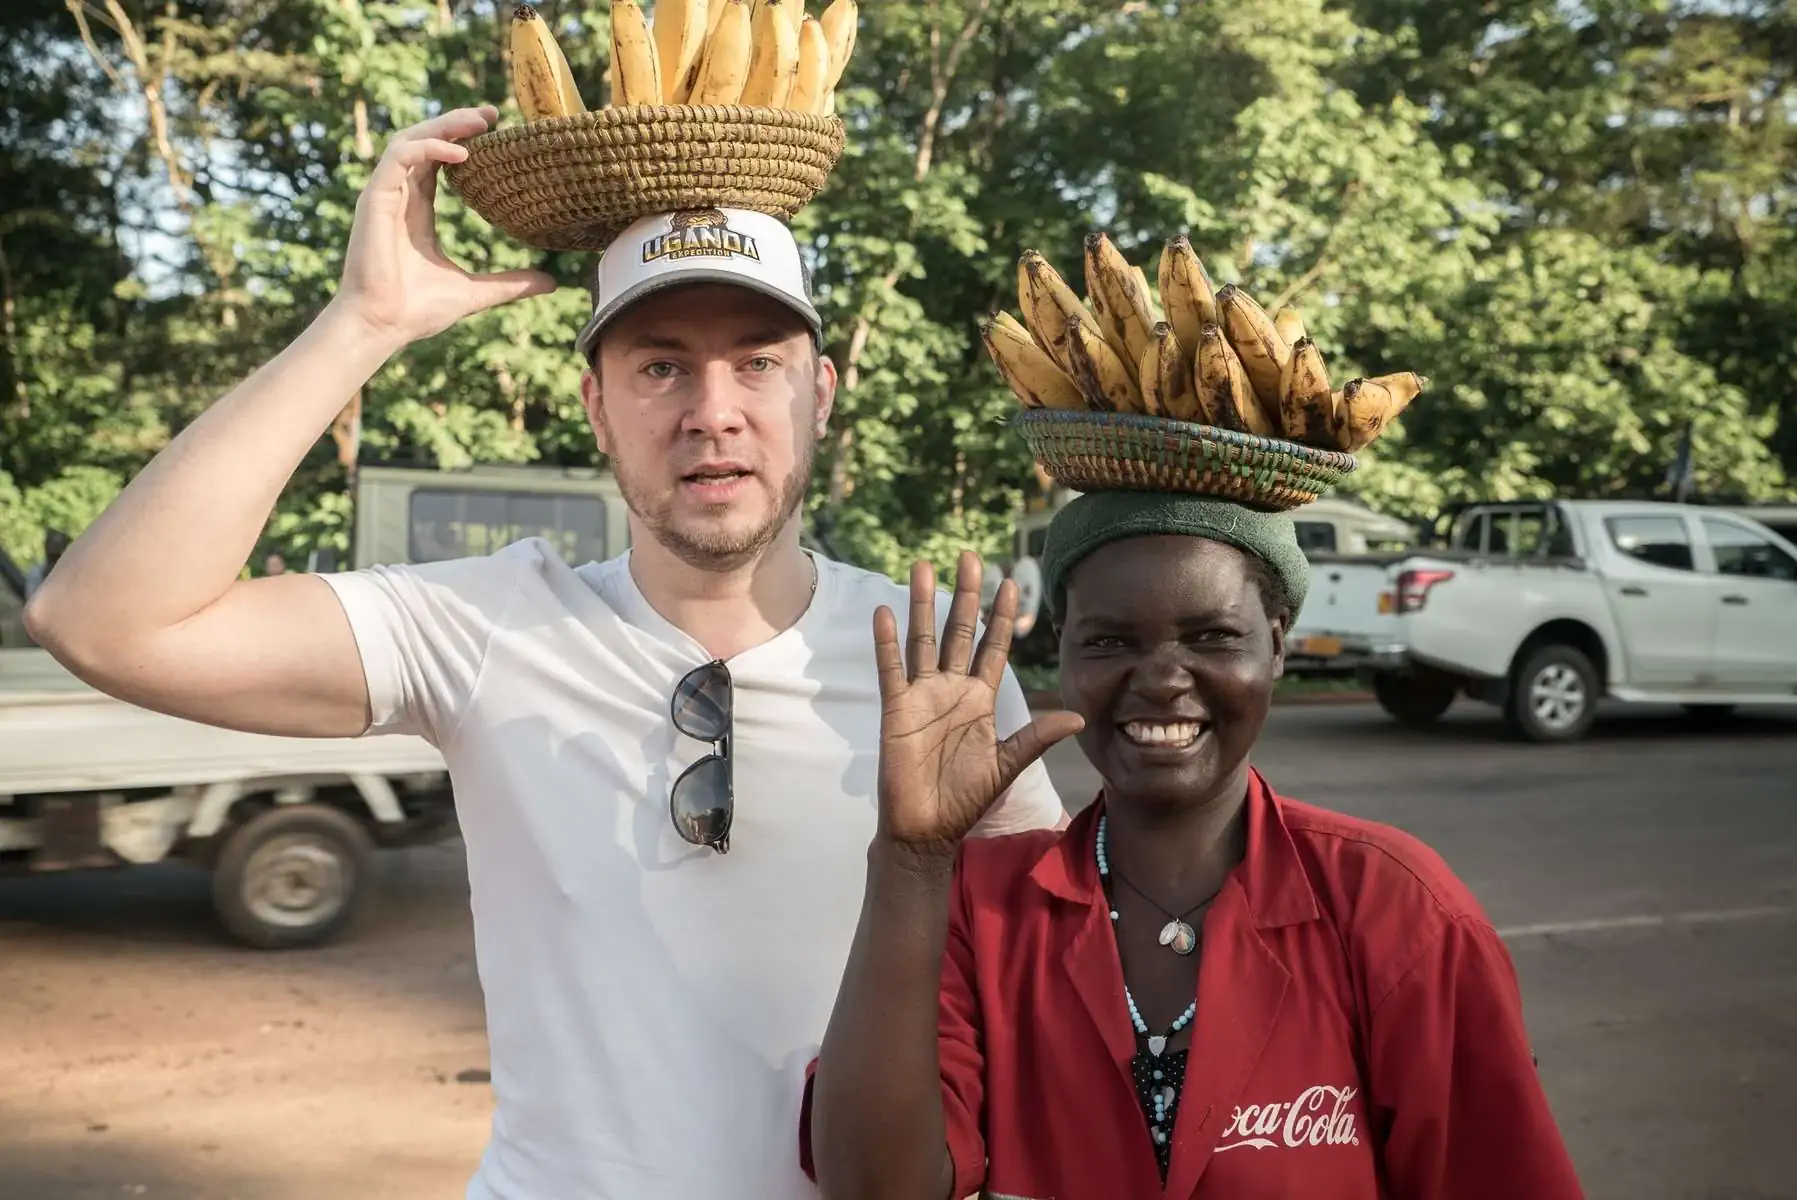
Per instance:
{"type": "Point", "coordinates": [1359, 1032]}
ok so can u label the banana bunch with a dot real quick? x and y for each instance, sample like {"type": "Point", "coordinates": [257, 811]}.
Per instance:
{"type": "Point", "coordinates": [1194, 353]}
{"type": "Point", "coordinates": [759, 53]}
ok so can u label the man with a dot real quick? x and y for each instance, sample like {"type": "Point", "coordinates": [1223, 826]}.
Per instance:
{"type": "Point", "coordinates": [56, 543]}
{"type": "Point", "coordinates": [654, 986]}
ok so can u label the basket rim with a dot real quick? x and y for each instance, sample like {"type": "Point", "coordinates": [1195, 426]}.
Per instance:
{"type": "Point", "coordinates": [1309, 459]}
{"type": "Point", "coordinates": [657, 116]}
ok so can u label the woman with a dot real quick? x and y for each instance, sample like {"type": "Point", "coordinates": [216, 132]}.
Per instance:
{"type": "Point", "coordinates": [1199, 988]}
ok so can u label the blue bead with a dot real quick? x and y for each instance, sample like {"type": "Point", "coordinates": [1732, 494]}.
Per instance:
{"type": "Point", "coordinates": [1157, 1074]}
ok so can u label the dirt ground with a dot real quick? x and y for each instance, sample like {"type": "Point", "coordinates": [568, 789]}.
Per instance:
{"type": "Point", "coordinates": [140, 1055]}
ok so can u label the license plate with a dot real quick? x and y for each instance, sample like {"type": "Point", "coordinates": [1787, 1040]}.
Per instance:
{"type": "Point", "coordinates": [1386, 604]}
{"type": "Point", "coordinates": [1320, 647]}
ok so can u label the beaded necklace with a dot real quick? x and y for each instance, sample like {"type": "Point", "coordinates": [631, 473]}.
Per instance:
{"type": "Point", "coordinates": [1160, 1096]}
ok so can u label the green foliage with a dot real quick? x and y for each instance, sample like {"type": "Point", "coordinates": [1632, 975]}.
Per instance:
{"type": "Point", "coordinates": [1573, 218]}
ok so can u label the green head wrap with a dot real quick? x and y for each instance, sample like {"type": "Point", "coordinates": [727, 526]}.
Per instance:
{"type": "Point", "coordinates": [1096, 518]}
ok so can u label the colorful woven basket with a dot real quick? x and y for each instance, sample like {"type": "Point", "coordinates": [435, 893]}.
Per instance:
{"type": "Point", "coordinates": [575, 183]}
{"type": "Point", "coordinates": [1100, 451]}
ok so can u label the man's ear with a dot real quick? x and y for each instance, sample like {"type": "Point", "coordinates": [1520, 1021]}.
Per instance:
{"type": "Point", "coordinates": [1281, 626]}
{"type": "Point", "coordinates": [825, 388]}
{"type": "Point", "coordinates": [593, 400]}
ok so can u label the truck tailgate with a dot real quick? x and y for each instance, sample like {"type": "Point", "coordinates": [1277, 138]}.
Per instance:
{"type": "Point", "coordinates": [1347, 615]}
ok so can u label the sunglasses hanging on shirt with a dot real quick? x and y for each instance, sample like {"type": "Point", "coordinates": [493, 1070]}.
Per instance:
{"type": "Point", "coordinates": [703, 800]}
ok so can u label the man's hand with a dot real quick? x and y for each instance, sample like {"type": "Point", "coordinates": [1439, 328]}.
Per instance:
{"type": "Point", "coordinates": [396, 278]}
{"type": "Point", "coordinates": [941, 763]}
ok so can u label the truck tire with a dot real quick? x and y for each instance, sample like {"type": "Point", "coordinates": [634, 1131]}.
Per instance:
{"type": "Point", "coordinates": [292, 876]}
{"type": "Point", "coordinates": [1554, 695]}
{"type": "Point", "coordinates": [1417, 700]}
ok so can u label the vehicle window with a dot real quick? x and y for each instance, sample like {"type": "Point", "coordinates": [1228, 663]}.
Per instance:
{"type": "Point", "coordinates": [1038, 542]}
{"type": "Point", "coordinates": [1529, 532]}
{"type": "Point", "coordinates": [449, 523]}
{"type": "Point", "coordinates": [1744, 553]}
{"type": "Point", "coordinates": [1316, 535]}
{"type": "Point", "coordinates": [1469, 532]}
{"type": "Point", "coordinates": [1661, 541]}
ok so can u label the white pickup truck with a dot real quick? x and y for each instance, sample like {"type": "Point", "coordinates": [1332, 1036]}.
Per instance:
{"type": "Point", "coordinates": [287, 826]}
{"type": "Point", "coordinates": [1543, 608]}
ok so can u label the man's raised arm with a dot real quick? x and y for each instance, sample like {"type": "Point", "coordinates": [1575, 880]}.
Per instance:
{"type": "Point", "coordinates": [147, 604]}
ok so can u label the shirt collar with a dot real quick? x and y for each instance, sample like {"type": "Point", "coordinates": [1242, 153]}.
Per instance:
{"type": "Point", "coordinates": [1271, 872]}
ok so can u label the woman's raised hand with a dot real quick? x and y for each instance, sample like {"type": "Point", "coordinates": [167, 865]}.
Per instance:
{"type": "Point", "coordinates": [942, 764]}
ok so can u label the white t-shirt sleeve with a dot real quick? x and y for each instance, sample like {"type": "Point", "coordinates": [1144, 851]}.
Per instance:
{"type": "Point", "coordinates": [1031, 802]}
{"type": "Point", "coordinates": [423, 632]}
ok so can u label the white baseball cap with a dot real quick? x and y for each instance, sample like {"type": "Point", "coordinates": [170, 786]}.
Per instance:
{"type": "Point", "coordinates": [705, 245]}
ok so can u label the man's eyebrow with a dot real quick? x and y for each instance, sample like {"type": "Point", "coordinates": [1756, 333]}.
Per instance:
{"type": "Point", "coordinates": [767, 336]}
{"type": "Point", "coordinates": [655, 341]}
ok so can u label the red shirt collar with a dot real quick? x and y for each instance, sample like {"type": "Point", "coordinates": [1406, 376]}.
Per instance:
{"type": "Point", "coordinates": [1271, 873]}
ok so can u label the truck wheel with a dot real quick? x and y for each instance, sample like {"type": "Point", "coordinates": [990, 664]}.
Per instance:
{"type": "Point", "coordinates": [292, 876]}
{"type": "Point", "coordinates": [1554, 697]}
{"type": "Point", "coordinates": [1415, 700]}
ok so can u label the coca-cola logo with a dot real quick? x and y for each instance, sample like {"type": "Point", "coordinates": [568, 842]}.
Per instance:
{"type": "Point", "coordinates": [1318, 1117]}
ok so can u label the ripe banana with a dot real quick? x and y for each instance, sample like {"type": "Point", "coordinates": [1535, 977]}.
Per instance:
{"type": "Point", "coordinates": [775, 58]}
{"type": "Point", "coordinates": [1100, 373]}
{"type": "Point", "coordinates": [1224, 388]}
{"type": "Point", "coordinates": [1186, 292]}
{"type": "Point", "coordinates": [635, 70]}
{"type": "Point", "coordinates": [1169, 387]}
{"type": "Point", "coordinates": [713, 14]}
{"type": "Point", "coordinates": [841, 22]}
{"type": "Point", "coordinates": [1154, 308]}
{"type": "Point", "coordinates": [1290, 326]}
{"type": "Point", "coordinates": [1047, 302]}
{"type": "Point", "coordinates": [1307, 409]}
{"type": "Point", "coordinates": [540, 77]}
{"type": "Point", "coordinates": [814, 64]}
{"type": "Point", "coordinates": [679, 30]}
{"type": "Point", "coordinates": [1367, 406]}
{"type": "Point", "coordinates": [1252, 333]}
{"type": "Point", "coordinates": [795, 12]}
{"type": "Point", "coordinates": [726, 66]}
{"type": "Point", "coordinates": [1026, 367]}
{"type": "Point", "coordinates": [1123, 308]}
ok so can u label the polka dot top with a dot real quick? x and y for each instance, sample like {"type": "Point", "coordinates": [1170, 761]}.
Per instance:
{"type": "Point", "coordinates": [1158, 1084]}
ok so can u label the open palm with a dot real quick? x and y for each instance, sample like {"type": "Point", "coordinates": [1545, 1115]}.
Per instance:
{"type": "Point", "coordinates": [942, 763]}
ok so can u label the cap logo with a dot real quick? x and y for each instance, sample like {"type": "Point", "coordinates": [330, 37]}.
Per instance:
{"type": "Point", "coordinates": [700, 233]}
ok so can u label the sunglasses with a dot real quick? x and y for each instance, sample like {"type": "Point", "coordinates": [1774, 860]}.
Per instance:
{"type": "Point", "coordinates": [704, 797]}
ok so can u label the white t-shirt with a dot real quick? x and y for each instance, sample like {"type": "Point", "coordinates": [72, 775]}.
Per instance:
{"type": "Point", "coordinates": [651, 1005]}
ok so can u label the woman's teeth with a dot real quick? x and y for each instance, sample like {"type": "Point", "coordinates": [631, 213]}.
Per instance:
{"type": "Point", "coordinates": [1159, 733]}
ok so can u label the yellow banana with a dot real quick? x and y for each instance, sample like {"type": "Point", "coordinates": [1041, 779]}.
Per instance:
{"type": "Point", "coordinates": [795, 12]}
{"type": "Point", "coordinates": [1366, 407]}
{"type": "Point", "coordinates": [1169, 387]}
{"type": "Point", "coordinates": [540, 77]}
{"type": "Point", "coordinates": [679, 31]}
{"type": "Point", "coordinates": [775, 59]}
{"type": "Point", "coordinates": [635, 70]}
{"type": "Point", "coordinates": [1405, 385]}
{"type": "Point", "coordinates": [1186, 294]}
{"type": "Point", "coordinates": [1102, 378]}
{"type": "Point", "coordinates": [1307, 409]}
{"type": "Point", "coordinates": [841, 22]}
{"type": "Point", "coordinates": [1123, 308]}
{"type": "Point", "coordinates": [726, 65]}
{"type": "Point", "coordinates": [1290, 326]}
{"type": "Point", "coordinates": [1265, 355]}
{"type": "Point", "coordinates": [807, 94]}
{"type": "Point", "coordinates": [1224, 388]}
{"type": "Point", "coordinates": [713, 14]}
{"type": "Point", "coordinates": [1154, 309]}
{"type": "Point", "coordinates": [1026, 367]}
{"type": "Point", "coordinates": [1047, 301]}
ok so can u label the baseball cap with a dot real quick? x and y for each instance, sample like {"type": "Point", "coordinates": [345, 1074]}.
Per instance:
{"type": "Point", "coordinates": [704, 245]}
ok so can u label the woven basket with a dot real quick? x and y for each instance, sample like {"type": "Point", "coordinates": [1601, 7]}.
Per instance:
{"type": "Point", "coordinates": [1105, 451]}
{"type": "Point", "coordinates": [575, 183]}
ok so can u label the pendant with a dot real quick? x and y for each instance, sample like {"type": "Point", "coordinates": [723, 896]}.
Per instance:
{"type": "Point", "coordinates": [1156, 1045]}
{"type": "Point", "coordinates": [1179, 937]}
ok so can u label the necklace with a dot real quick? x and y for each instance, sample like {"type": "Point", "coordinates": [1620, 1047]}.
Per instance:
{"type": "Point", "coordinates": [1177, 934]}
{"type": "Point", "coordinates": [1157, 1043]}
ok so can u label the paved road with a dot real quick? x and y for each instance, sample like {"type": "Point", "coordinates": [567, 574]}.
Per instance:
{"type": "Point", "coordinates": [1647, 879]}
